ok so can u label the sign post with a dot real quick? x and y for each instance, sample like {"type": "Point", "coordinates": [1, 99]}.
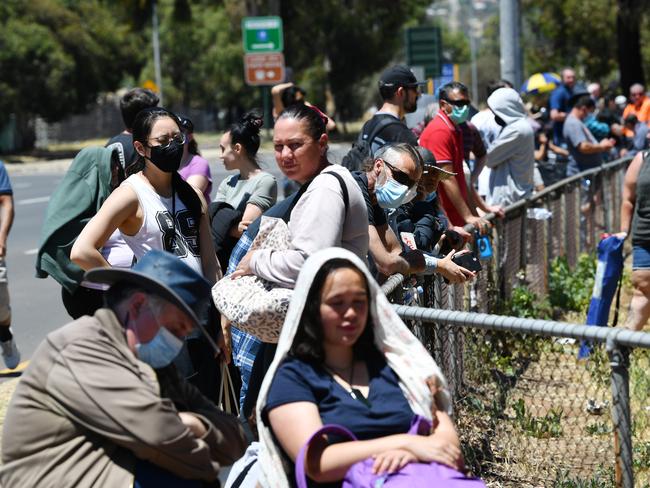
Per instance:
{"type": "Point", "coordinates": [264, 69]}
{"type": "Point", "coordinates": [263, 41]}
{"type": "Point", "coordinates": [424, 48]}
{"type": "Point", "coordinates": [262, 34]}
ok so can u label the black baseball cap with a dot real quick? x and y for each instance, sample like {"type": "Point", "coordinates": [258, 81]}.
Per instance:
{"type": "Point", "coordinates": [399, 75]}
{"type": "Point", "coordinates": [429, 161]}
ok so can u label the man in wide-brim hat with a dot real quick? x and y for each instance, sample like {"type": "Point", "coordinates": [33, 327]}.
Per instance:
{"type": "Point", "coordinates": [88, 410]}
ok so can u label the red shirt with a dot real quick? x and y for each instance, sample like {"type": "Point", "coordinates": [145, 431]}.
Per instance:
{"type": "Point", "coordinates": [445, 141]}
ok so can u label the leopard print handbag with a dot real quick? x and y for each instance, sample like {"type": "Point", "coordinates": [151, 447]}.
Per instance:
{"type": "Point", "coordinates": [252, 304]}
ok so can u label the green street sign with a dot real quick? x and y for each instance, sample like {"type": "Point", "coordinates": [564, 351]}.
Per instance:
{"type": "Point", "coordinates": [424, 48]}
{"type": "Point", "coordinates": [262, 34]}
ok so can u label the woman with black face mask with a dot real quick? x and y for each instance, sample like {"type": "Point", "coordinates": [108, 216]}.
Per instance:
{"type": "Point", "coordinates": [154, 208]}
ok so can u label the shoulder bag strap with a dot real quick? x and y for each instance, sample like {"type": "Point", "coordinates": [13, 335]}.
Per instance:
{"type": "Point", "coordinates": [344, 189]}
{"type": "Point", "coordinates": [303, 188]}
{"type": "Point", "coordinates": [297, 195]}
{"type": "Point", "coordinates": [242, 476]}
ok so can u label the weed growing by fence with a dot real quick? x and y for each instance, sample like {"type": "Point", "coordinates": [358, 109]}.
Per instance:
{"type": "Point", "coordinates": [571, 289]}
{"type": "Point", "coordinates": [524, 303]}
{"type": "Point", "coordinates": [604, 478]}
{"type": "Point", "coordinates": [543, 427]}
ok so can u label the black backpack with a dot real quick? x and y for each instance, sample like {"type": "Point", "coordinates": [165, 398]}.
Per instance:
{"type": "Point", "coordinates": [361, 149]}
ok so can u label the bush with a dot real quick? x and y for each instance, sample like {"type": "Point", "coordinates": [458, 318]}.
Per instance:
{"type": "Point", "coordinates": [524, 303]}
{"type": "Point", "coordinates": [570, 290]}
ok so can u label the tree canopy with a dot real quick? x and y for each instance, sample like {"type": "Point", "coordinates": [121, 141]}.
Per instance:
{"type": "Point", "coordinates": [56, 56]}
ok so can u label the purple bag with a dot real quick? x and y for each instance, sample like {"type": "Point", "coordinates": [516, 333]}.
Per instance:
{"type": "Point", "coordinates": [360, 474]}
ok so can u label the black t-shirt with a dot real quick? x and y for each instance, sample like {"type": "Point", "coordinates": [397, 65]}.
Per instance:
{"type": "Point", "coordinates": [397, 132]}
{"type": "Point", "coordinates": [125, 141]}
{"type": "Point", "coordinates": [376, 215]}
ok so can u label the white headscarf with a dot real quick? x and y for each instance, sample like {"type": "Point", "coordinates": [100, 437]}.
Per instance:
{"type": "Point", "coordinates": [403, 351]}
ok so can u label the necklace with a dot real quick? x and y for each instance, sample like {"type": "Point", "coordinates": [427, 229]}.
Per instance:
{"type": "Point", "coordinates": [355, 393]}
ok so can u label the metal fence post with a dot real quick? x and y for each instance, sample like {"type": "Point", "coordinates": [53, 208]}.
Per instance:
{"type": "Point", "coordinates": [523, 239]}
{"type": "Point", "coordinates": [619, 361]}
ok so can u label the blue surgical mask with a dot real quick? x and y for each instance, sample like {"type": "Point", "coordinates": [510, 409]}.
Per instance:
{"type": "Point", "coordinates": [459, 114]}
{"type": "Point", "coordinates": [391, 194]}
{"type": "Point", "coordinates": [161, 350]}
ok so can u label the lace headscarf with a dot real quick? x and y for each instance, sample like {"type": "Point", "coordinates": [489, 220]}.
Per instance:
{"type": "Point", "coordinates": [403, 352]}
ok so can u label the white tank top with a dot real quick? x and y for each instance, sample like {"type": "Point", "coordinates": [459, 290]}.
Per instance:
{"type": "Point", "coordinates": [118, 254]}
{"type": "Point", "coordinates": [157, 231]}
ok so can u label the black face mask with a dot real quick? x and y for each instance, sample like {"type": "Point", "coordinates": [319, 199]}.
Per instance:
{"type": "Point", "coordinates": [499, 120]}
{"type": "Point", "coordinates": [167, 158]}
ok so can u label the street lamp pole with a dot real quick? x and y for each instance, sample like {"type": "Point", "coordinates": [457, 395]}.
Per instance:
{"type": "Point", "coordinates": [156, 50]}
{"type": "Point", "coordinates": [511, 68]}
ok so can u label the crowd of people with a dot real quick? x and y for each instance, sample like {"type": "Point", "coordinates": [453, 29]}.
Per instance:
{"type": "Point", "coordinates": [172, 291]}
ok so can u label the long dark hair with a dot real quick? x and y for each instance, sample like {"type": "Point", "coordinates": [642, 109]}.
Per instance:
{"type": "Point", "coordinates": [308, 342]}
{"type": "Point", "coordinates": [142, 126]}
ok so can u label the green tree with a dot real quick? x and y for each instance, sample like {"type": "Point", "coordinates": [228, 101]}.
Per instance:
{"type": "Point", "coordinates": [56, 56]}
{"type": "Point", "coordinates": [579, 33]}
{"type": "Point", "coordinates": [341, 43]}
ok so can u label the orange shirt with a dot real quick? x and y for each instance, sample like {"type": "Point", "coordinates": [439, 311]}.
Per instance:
{"type": "Point", "coordinates": [642, 113]}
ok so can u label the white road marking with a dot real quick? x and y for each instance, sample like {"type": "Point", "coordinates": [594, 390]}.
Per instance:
{"type": "Point", "coordinates": [29, 201]}
{"type": "Point", "coordinates": [31, 252]}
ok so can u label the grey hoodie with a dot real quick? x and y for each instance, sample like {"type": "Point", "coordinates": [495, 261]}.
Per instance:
{"type": "Point", "coordinates": [512, 155]}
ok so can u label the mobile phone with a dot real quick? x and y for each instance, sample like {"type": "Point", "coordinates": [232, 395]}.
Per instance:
{"type": "Point", "coordinates": [452, 240]}
{"type": "Point", "coordinates": [468, 261]}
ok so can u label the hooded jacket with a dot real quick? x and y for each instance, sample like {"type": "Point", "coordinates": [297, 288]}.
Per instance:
{"type": "Point", "coordinates": [512, 156]}
{"type": "Point", "coordinates": [81, 193]}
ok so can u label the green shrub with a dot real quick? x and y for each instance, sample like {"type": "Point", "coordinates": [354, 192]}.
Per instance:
{"type": "Point", "coordinates": [571, 289]}
{"type": "Point", "coordinates": [524, 303]}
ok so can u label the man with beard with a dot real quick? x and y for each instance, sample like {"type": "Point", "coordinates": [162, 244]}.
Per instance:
{"type": "Point", "coordinates": [400, 90]}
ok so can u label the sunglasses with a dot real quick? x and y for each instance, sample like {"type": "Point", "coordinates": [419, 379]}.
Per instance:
{"type": "Point", "coordinates": [457, 103]}
{"type": "Point", "coordinates": [400, 176]}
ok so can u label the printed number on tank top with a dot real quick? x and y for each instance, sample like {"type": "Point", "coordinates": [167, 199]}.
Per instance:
{"type": "Point", "coordinates": [187, 238]}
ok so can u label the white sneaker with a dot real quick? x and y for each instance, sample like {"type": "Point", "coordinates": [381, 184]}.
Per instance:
{"type": "Point", "coordinates": [10, 353]}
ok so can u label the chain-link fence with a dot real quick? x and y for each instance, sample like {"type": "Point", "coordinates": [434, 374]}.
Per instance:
{"type": "Point", "coordinates": [531, 413]}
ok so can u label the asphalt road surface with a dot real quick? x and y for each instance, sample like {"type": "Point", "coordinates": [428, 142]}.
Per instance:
{"type": "Point", "coordinates": [36, 303]}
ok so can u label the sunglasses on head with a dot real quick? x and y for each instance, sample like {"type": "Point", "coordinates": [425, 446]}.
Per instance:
{"type": "Point", "coordinates": [457, 103]}
{"type": "Point", "coordinates": [400, 176]}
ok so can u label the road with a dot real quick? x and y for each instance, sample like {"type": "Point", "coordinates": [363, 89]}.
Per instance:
{"type": "Point", "coordinates": [36, 303]}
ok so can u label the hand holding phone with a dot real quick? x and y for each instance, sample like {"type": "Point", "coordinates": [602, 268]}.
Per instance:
{"type": "Point", "coordinates": [453, 272]}
{"type": "Point", "coordinates": [468, 261]}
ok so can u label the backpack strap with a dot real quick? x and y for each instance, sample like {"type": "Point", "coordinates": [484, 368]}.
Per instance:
{"type": "Point", "coordinates": [379, 127]}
